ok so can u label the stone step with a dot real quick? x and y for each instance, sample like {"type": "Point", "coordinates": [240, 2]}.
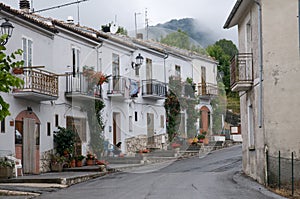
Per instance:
{"type": "Point", "coordinates": [124, 160]}
{"type": "Point", "coordinates": [165, 153]}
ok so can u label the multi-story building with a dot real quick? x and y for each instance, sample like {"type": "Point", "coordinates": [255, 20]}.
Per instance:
{"type": "Point", "coordinates": [57, 56]}
{"type": "Point", "coordinates": [265, 73]}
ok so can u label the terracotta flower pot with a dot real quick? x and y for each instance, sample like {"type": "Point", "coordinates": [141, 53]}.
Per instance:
{"type": "Point", "coordinates": [18, 71]}
{"type": "Point", "coordinates": [79, 163]}
{"type": "Point", "coordinates": [90, 162]}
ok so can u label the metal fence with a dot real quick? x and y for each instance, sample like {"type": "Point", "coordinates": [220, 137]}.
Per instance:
{"type": "Point", "coordinates": [284, 173]}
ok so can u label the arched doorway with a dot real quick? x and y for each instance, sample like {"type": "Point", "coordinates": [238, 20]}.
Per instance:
{"type": "Point", "coordinates": [204, 119]}
{"type": "Point", "coordinates": [27, 140]}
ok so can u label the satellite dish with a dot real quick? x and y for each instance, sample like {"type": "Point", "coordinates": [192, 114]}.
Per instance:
{"type": "Point", "coordinates": [114, 28]}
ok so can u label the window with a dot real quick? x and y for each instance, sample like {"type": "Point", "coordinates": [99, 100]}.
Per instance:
{"type": "Point", "coordinates": [177, 71]}
{"type": "Point", "coordinates": [135, 116]}
{"type": "Point", "coordinates": [3, 126]}
{"type": "Point", "coordinates": [137, 71]}
{"type": "Point", "coordinates": [27, 51]}
{"type": "Point", "coordinates": [48, 129]}
{"type": "Point", "coordinates": [115, 65]}
{"type": "Point", "coordinates": [248, 37]}
{"type": "Point", "coordinates": [130, 124]}
{"type": "Point", "coordinates": [250, 127]}
{"type": "Point", "coordinates": [75, 60]}
{"type": "Point", "coordinates": [56, 120]}
{"type": "Point", "coordinates": [162, 121]}
{"type": "Point", "coordinates": [148, 69]}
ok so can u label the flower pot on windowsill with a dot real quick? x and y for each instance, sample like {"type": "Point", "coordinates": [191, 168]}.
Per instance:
{"type": "Point", "coordinates": [18, 71]}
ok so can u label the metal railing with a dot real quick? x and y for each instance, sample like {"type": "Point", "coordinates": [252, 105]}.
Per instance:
{"type": "Point", "coordinates": [82, 84]}
{"type": "Point", "coordinates": [241, 68]}
{"type": "Point", "coordinates": [117, 85]}
{"type": "Point", "coordinates": [207, 89]}
{"type": "Point", "coordinates": [39, 81]}
{"type": "Point", "coordinates": [154, 88]}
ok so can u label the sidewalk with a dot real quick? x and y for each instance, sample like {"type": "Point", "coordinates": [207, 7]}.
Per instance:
{"type": "Point", "coordinates": [33, 185]}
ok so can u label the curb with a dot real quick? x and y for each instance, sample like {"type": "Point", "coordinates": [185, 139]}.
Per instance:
{"type": "Point", "coordinates": [239, 178]}
{"type": "Point", "coordinates": [17, 193]}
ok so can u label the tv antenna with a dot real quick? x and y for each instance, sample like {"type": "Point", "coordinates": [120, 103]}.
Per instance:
{"type": "Point", "coordinates": [62, 5]}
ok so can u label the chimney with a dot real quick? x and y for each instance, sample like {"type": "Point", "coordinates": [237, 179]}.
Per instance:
{"type": "Point", "coordinates": [139, 36]}
{"type": "Point", "coordinates": [25, 5]}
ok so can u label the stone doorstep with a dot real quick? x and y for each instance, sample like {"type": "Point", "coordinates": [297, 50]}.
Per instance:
{"type": "Point", "coordinates": [16, 193]}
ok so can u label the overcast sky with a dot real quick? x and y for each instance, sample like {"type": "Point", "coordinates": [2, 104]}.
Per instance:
{"type": "Point", "coordinates": [94, 13]}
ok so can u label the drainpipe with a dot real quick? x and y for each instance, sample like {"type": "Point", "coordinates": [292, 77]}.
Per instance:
{"type": "Point", "coordinates": [299, 23]}
{"type": "Point", "coordinates": [260, 60]}
{"type": "Point", "coordinates": [165, 57]}
{"type": "Point", "coordinates": [266, 165]}
{"type": "Point", "coordinates": [97, 51]}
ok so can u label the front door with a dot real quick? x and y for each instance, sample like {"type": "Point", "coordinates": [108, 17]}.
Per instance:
{"type": "Point", "coordinates": [116, 128]}
{"type": "Point", "coordinates": [29, 145]}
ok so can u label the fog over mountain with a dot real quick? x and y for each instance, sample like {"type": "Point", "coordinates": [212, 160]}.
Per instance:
{"type": "Point", "coordinates": [198, 33]}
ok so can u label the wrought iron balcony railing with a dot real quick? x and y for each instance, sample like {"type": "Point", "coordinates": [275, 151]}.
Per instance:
{"type": "Point", "coordinates": [82, 87]}
{"type": "Point", "coordinates": [118, 86]}
{"type": "Point", "coordinates": [207, 89]}
{"type": "Point", "coordinates": [153, 89]}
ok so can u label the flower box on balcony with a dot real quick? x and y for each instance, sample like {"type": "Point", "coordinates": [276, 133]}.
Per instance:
{"type": "Point", "coordinates": [18, 71]}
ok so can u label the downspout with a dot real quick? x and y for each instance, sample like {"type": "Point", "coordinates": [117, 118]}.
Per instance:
{"type": "Point", "coordinates": [97, 50]}
{"type": "Point", "coordinates": [299, 23]}
{"type": "Point", "coordinates": [260, 60]}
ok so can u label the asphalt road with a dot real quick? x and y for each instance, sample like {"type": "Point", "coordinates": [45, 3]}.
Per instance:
{"type": "Point", "coordinates": [214, 176]}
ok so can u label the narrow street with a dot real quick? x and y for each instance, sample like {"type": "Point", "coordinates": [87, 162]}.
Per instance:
{"type": "Point", "coordinates": [216, 175]}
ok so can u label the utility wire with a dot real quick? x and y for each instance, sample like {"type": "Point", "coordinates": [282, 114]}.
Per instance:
{"type": "Point", "coordinates": [59, 6]}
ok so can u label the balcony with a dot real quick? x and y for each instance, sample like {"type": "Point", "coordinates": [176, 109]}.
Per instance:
{"type": "Point", "coordinates": [39, 85]}
{"type": "Point", "coordinates": [241, 72]}
{"type": "Point", "coordinates": [153, 89]}
{"type": "Point", "coordinates": [81, 87]}
{"type": "Point", "coordinates": [207, 90]}
{"type": "Point", "coordinates": [118, 87]}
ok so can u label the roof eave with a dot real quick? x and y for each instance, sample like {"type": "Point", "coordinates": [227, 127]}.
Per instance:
{"type": "Point", "coordinates": [230, 22]}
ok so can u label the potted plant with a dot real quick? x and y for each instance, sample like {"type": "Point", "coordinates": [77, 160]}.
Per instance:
{"type": "Point", "coordinates": [72, 161]}
{"type": "Point", "coordinates": [57, 163]}
{"type": "Point", "coordinates": [201, 137]}
{"type": "Point", "coordinates": [90, 159]}
{"type": "Point", "coordinates": [17, 70]}
{"type": "Point", "coordinates": [64, 140]}
{"type": "Point", "coordinates": [6, 168]}
{"type": "Point", "coordinates": [79, 159]}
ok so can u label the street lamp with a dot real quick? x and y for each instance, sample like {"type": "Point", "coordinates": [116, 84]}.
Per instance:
{"type": "Point", "coordinates": [6, 28]}
{"type": "Point", "coordinates": [139, 61]}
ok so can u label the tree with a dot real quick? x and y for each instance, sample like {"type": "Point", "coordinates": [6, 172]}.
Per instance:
{"type": "Point", "coordinates": [222, 51]}
{"type": "Point", "coordinates": [178, 39]}
{"type": "Point", "coordinates": [8, 80]}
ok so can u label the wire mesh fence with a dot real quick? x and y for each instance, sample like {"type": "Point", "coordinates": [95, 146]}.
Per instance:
{"type": "Point", "coordinates": [284, 174]}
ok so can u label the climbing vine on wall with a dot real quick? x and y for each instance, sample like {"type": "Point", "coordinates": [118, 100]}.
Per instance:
{"type": "Point", "coordinates": [96, 125]}
{"type": "Point", "coordinates": [179, 99]}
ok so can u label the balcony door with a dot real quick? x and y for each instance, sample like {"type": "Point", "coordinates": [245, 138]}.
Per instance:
{"type": "Point", "coordinates": [149, 76]}
{"type": "Point", "coordinates": [76, 84]}
{"type": "Point", "coordinates": [116, 72]}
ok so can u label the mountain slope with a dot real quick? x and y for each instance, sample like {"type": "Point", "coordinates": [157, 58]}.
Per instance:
{"type": "Point", "coordinates": [198, 34]}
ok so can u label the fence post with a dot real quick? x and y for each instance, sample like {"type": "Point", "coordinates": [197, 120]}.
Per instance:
{"type": "Point", "coordinates": [292, 173]}
{"type": "Point", "coordinates": [278, 169]}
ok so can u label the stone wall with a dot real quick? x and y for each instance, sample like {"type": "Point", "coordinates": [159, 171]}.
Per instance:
{"type": "Point", "coordinates": [45, 161]}
{"type": "Point", "coordinates": [140, 142]}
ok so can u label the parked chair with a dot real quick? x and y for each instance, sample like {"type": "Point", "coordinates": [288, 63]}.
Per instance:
{"type": "Point", "coordinates": [18, 164]}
